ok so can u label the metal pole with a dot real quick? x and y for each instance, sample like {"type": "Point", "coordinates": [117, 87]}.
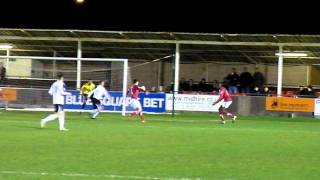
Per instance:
{"type": "Point", "coordinates": [158, 41]}
{"type": "Point", "coordinates": [125, 87]}
{"type": "Point", "coordinates": [308, 74]}
{"type": "Point", "coordinates": [63, 58]}
{"type": "Point", "coordinates": [54, 65]}
{"type": "Point", "coordinates": [176, 69]}
{"type": "Point", "coordinates": [207, 72]}
{"type": "Point", "coordinates": [79, 56]}
{"type": "Point", "coordinates": [159, 77]}
{"type": "Point", "coordinates": [173, 84]}
{"type": "Point", "coordinates": [280, 72]}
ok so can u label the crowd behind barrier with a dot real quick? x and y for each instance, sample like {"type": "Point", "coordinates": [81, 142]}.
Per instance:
{"type": "Point", "coordinates": [245, 83]}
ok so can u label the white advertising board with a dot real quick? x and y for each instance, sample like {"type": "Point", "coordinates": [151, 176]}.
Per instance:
{"type": "Point", "coordinates": [317, 107]}
{"type": "Point", "coordinates": [192, 102]}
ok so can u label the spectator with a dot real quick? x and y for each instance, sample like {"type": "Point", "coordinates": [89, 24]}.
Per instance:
{"type": "Point", "coordinates": [233, 80]}
{"type": "Point", "coordinates": [203, 86]}
{"type": "Point", "coordinates": [183, 84]}
{"type": "Point", "coordinates": [2, 73]}
{"type": "Point", "coordinates": [256, 90]}
{"type": "Point", "coordinates": [265, 91]}
{"type": "Point", "coordinates": [302, 91]}
{"type": "Point", "coordinates": [300, 88]}
{"type": "Point", "coordinates": [306, 92]}
{"type": "Point", "coordinates": [215, 86]}
{"type": "Point", "coordinates": [258, 78]}
{"type": "Point", "coordinates": [169, 87]}
{"type": "Point", "coordinates": [210, 87]}
{"type": "Point", "coordinates": [310, 92]}
{"type": "Point", "coordinates": [246, 80]}
{"type": "Point", "coordinates": [191, 86]}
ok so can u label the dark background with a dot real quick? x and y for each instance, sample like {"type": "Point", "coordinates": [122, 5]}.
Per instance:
{"type": "Point", "coordinates": [154, 15]}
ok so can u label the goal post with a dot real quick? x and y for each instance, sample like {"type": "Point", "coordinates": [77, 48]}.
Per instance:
{"type": "Point", "coordinates": [39, 72]}
{"type": "Point", "coordinates": [125, 86]}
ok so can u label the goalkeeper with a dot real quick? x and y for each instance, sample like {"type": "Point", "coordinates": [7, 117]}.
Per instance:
{"type": "Point", "coordinates": [85, 90]}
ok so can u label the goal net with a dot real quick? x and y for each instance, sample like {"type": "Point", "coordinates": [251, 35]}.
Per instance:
{"type": "Point", "coordinates": [32, 77]}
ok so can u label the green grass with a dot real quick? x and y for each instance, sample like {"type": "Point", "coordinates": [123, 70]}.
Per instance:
{"type": "Point", "coordinates": [187, 146]}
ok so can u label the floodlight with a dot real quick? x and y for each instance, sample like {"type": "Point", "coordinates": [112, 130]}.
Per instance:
{"type": "Point", "coordinates": [6, 46]}
{"type": "Point", "coordinates": [292, 54]}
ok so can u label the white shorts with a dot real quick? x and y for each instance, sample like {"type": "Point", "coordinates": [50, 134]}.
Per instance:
{"type": "Point", "coordinates": [135, 104]}
{"type": "Point", "coordinates": [58, 108]}
{"type": "Point", "coordinates": [226, 104]}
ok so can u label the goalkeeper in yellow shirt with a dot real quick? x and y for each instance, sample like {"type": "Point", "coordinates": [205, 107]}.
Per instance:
{"type": "Point", "coordinates": [85, 90]}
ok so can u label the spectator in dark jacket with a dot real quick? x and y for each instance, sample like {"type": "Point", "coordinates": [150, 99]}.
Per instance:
{"type": "Point", "coordinates": [215, 85]}
{"type": "Point", "coordinates": [310, 92]}
{"type": "Point", "coordinates": [203, 86]}
{"type": "Point", "coordinates": [183, 85]}
{"type": "Point", "coordinates": [306, 92]}
{"type": "Point", "coordinates": [258, 78]}
{"type": "Point", "coordinates": [302, 91]}
{"type": "Point", "coordinates": [265, 91]}
{"type": "Point", "coordinates": [233, 80]}
{"type": "Point", "coordinates": [191, 86]}
{"type": "Point", "coordinates": [2, 73]}
{"type": "Point", "coordinates": [246, 81]}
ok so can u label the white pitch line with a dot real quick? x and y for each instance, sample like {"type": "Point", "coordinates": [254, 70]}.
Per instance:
{"type": "Point", "coordinates": [94, 175]}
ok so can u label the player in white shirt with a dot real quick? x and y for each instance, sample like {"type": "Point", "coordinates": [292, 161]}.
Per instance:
{"type": "Point", "coordinates": [98, 96]}
{"type": "Point", "coordinates": [57, 91]}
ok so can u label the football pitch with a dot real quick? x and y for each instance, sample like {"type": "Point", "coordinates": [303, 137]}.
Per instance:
{"type": "Point", "coordinates": [188, 146]}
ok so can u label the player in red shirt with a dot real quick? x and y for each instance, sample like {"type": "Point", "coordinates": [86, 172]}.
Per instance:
{"type": "Point", "coordinates": [227, 101]}
{"type": "Point", "coordinates": [135, 89]}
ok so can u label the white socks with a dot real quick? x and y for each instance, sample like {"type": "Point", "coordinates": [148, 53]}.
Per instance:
{"type": "Point", "coordinates": [61, 122]}
{"type": "Point", "coordinates": [95, 113]}
{"type": "Point", "coordinates": [51, 117]}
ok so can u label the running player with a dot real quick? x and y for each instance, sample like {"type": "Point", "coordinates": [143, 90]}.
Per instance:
{"type": "Point", "coordinates": [135, 103]}
{"type": "Point", "coordinates": [57, 91]}
{"type": "Point", "coordinates": [98, 96]}
{"type": "Point", "coordinates": [85, 90]}
{"type": "Point", "coordinates": [227, 101]}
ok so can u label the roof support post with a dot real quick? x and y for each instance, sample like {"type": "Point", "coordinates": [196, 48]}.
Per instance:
{"type": "Point", "coordinates": [79, 56]}
{"type": "Point", "coordinates": [54, 65]}
{"type": "Point", "coordinates": [280, 72]}
{"type": "Point", "coordinates": [125, 87]}
{"type": "Point", "coordinates": [176, 69]}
